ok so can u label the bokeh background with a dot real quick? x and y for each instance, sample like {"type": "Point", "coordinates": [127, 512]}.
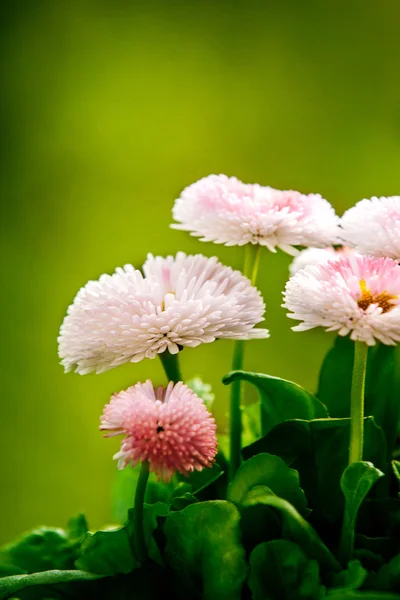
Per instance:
{"type": "Point", "coordinates": [110, 108]}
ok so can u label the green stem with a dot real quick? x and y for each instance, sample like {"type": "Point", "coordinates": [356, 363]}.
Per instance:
{"type": "Point", "coordinates": [170, 362]}
{"type": "Point", "coordinates": [139, 539]}
{"type": "Point", "coordinates": [250, 269]}
{"type": "Point", "coordinates": [256, 264]}
{"type": "Point", "coordinates": [357, 402]}
{"type": "Point", "coordinates": [248, 259]}
{"type": "Point", "coordinates": [236, 411]}
{"type": "Point", "coordinates": [346, 545]}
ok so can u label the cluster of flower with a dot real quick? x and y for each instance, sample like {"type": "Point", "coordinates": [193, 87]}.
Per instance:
{"type": "Point", "coordinates": [184, 301]}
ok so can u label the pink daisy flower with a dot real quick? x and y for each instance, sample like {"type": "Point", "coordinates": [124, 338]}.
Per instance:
{"type": "Point", "coordinates": [227, 211]}
{"type": "Point", "coordinates": [179, 301]}
{"type": "Point", "coordinates": [373, 227]}
{"type": "Point", "coordinates": [357, 295]}
{"type": "Point", "coordinates": [318, 256]}
{"type": "Point", "coordinates": [168, 427]}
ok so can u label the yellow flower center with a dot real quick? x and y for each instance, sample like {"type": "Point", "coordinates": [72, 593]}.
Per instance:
{"type": "Point", "coordinates": [384, 300]}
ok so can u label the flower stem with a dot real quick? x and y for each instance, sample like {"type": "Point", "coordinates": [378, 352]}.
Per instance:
{"type": "Point", "coordinates": [139, 541]}
{"type": "Point", "coordinates": [256, 264]}
{"type": "Point", "coordinates": [250, 269]}
{"type": "Point", "coordinates": [236, 411]}
{"type": "Point", "coordinates": [357, 402]}
{"type": "Point", "coordinates": [170, 362]}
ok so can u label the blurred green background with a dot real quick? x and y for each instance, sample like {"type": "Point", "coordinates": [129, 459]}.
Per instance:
{"type": "Point", "coordinates": [108, 109]}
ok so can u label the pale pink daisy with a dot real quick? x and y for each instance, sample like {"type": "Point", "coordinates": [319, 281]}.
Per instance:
{"type": "Point", "coordinates": [170, 428]}
{"type": "Point", "coordinates": [227, 211]}
{"type": "Point", "coordinates": [373, 227]}
{"type": "Point", "coordinates": [357, 295]}
{"type": "Point", "coordinates": [179, 301]}
{"type": "Point", "coordinates": [318, 256]}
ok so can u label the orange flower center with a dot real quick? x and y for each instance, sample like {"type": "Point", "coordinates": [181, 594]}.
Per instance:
{"type": "Point", "coordinates": [384, 300]}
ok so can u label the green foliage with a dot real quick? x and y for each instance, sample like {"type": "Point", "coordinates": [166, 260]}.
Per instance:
{"type": "Point", "coordinates": [251, 423]}
{"type": "Point", "coordinates": [43, 549]}
{"type": "Point", "coordinates": [280, 399]}
{"type": "Point", "coordinates": [356, 482]}
{"type": "Point", "coordinates": [295, 527]}
{"type": "Point", "coordinates": [200, 480]}
{"type": "Point", "coordinates": [107, 553]}
{"type": "Point", "coordinates": [10, 586]}
{"type": "Point", "coordinates": [388, 577]}
{"type": "Point", "coordinates": [273, 533]}
{"type": "Point", "coordinates": [280, 569]}
{"type": "Point", "coordinates": [318, 450]}
{"type": "Point", "coordinates": [396, 472]}
{"type": "Point", "coordinates": [112, 552]}
{"type": "Point", "coordinates": [335, 378]}
{"type": "Point", "coordinates": [124, 487]}
{"type": "Point", "coordinates": [351, 578]}
{"type": "Point", "coordinates": [271, 471]}
{"type": "Point", "coordinates": [356, 595]}
{"type": "Point", "coordinates": [181, 502]}
{"type": "Point", "coordinates": [204, 548]}
{"type": "Point", "coordinates": [158, 491]}
{"type": "Point", "coordinates": [382, 385]}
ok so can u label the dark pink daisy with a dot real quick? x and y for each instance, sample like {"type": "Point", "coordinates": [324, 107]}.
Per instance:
{"type": "Point", "coordinates": [170, 428]}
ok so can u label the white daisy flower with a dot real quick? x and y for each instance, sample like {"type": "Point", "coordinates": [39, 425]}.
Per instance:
{"type": "Point", "coordinates": [179, 301]}
{"type": "Point", "coordinates": [226, 211]}
{"type": "Point", "coordinates": [357, 295]}
{"type": "Point", "coordinates": [373, 227]}
{"type": "Point", "coordinates": [318, 256]}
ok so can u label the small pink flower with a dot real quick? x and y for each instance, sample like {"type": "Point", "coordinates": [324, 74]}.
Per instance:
{"type": "Point", "coordinates": [227, 211]}
{"type": "Point", "coordinates": [373, 227]}
{"type": "Point", "coordinates": [359, 295]}
{"type": "Point", "coordinates": [170, 428]}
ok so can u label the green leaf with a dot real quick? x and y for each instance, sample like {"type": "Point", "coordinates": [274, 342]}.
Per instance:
{"type": "Point", "coordinates": [271, 471]}
{"type": "Point", "coordinates": [124, 488]}
{"type": "Point", "coordinates": [151, 514]}
{"type": "Point", "coordinates": [294, 526]}
{"type": "Point", "coordinates": [251, 423]}
{"type": "Point", "coordinates": [42, 549]}
{"type": "Point", "coordinates": [107, 553]}
{"type": "Point", "coordinates": [199, 480]}
{"type": "Point", "coordinates": [204, 548]}
{"type": "Point", "coordinates": [383, 547]}
{"type": "Point", "coordinates": [280, 569]}
{"type": "Point", "coordinates": [318, 450]}
{"type": "Point", "coordinates": [280, 399]}
{"type": "Point", "coordinates": [335, 377]}
{"type": "Point", "coordinates": [356, 482]}
{"type": "Point", "coordinates": [351, 578]}
{"type": "Point", "coordinates": [110, 552]}
{"type": "Point", "coordinates": [396, 472]}
{"type": "Point", "coordinates": [260, 523]}
{"type": "Point", "coordinates": [180, 502]}
{"type": "Point", "coordinates": [356, 595]}
{"type": "Point", "coordinates": [388, 577]}
{"type": "Point", "coordinates": [380, 518]}
{"type": "Point", "coordinates": [77, 527]}
{"type": "Point", "coordinates": [383, 390]}
{"type": "Point", "coordinates": [382, 385]}
{"type": "Point", "coordinates": [370, 560]}
{"type": "Point", "coordinates": [10, 586]}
